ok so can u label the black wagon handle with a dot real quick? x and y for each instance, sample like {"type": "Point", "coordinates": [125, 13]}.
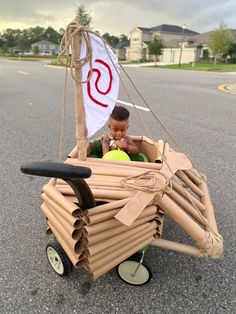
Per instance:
{"type": "Point", "coordinates": [73, 175]}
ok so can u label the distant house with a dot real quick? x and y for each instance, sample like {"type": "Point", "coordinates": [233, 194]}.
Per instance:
{"type": "Point", "coordinates": [140, 37]}
{"type": "Point", "coordinates": [203, 39]}
{"type": "Point", "coordinates": [120, 49]}
{"type": "Point", "coordinates": [46, 47]}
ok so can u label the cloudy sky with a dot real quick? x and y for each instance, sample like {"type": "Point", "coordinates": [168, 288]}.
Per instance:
{"type": "Point", "coordinates": [119, 16]}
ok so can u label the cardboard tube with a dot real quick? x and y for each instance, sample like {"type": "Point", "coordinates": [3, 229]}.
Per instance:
{"type": "Point", "coordinates": [99, 272]}
{"type": "Point", "coordinates": [182, 219]}
{"type": "Point", "coordinates": [94, 249]}
{"type": "Point", "coordinates": [53, 193]}
{"type": "Point", "coordinates": [189, 183]}
{"type": "Point", "coordinates": [129, 245]}
{"type": "Point", "coordinates": [193, 177]}
{"type": "Point", "coordinates": [100, 193]}
{"type": "Point", "coordinates": [48, 231]}
{"type": "Point", "coordinates": [106, 207]}
{"type": "Point", "coordinates": [178, 247]}
{"type": "Point", "coordinates": [67, 248]}
{"type": "Point", "coordinates": [73, 221]}
{"type": "Point", "coordinates": [56, 219]}
{"type": "Point", "coordinates": [209, 212]}
{"type": "Point", "coordinates": [114, 231]}
{"type": "Point", "coordinates": [160, 147]}
{"type": "Point", "coordinates": [119, 170]}
{"type": "Point", "coordinates": [187, 195]}
{"type": "Point", "coordinates": [101, 217]}
{"type": "Point", "coordinates": [187, 207]}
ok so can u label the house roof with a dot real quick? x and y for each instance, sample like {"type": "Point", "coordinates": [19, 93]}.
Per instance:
{"type": "Point", "coordinates": [204, 38]}
{"type": "Point", "coordinates": [168, 29]}
{"type": "Point", "coordinates": [122, 45]}
{"type": "Point", "coordinates": [45, 42]}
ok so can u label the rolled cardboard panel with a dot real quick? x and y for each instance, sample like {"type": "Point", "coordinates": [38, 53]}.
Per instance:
{"type": "Point", "coordinates": [178, 247]}
{"type": "Point", "coordinates": [209, 212]}
{"type": "Point", "coordinates": [114, 231]}
{"type": "Point", "coordinates": [66, 247]}
{"type": "Point", "coordinates": [99, 272]}
{"type": "Point", "coordinates": [195, 213]}
{"type": "Point", "coordinates": [113, 223]}
{"type": "Point", "coordinates": [189, 183]}
{"type": "Point", "coordinates": [187, 195]}
{"type": "Point", "coordinates": [73, 221]}
{"type": "Point", "coordinates": [191, 175]}
{"type": "Point", "coordinates": [122, 245]}
{"type": "Point", "coordinates": [116, 253]}
{"type": "Point", "coordinates": [53, 193]}
{"type": "Point", "coordinates": [181, 218]}
{"type": "Point", "coordinates": [59, 222]}
{"type": "Point", "coordinates": [160, 146]}
{"type": "Point", "coordinates": [123, 163]}
{"type": "Point", "coordinates": [94, 249]}
{"type": "Point", "coordinates": [107, 215]}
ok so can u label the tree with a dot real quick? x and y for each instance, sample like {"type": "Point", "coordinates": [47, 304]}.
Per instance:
{"type": "Point", "coordinates": [220, 41]}
{"type": "Point", "coordinates": [155, 47]}
{"type": "Point", "coordinates": [52, 35]}
{"type": "Point", "coordinates": [111, 39]}
{"type": "Point", "coordinates": [83, 17]}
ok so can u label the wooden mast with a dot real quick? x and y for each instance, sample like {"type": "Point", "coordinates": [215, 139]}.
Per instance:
{"type": "Point", "coordinates": [81, 128]}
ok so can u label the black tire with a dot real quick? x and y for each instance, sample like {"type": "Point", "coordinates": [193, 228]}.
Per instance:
{"type": "Point", "coordinates": [143, 275]}
{"type": "Point", "coordinates": [58, 259]}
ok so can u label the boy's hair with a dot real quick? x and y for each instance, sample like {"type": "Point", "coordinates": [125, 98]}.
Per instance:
{"type": "Point", "coordinates": [119, 113]}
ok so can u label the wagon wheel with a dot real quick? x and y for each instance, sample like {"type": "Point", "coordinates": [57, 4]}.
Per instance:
{"type": "Point", "coordinates": [136, 270]}
{"type": "Point", "coordinates": [58, 259]}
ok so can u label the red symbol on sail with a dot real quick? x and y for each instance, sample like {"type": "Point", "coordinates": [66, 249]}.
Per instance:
{"type": "Point", "coordinates": [97, 81]}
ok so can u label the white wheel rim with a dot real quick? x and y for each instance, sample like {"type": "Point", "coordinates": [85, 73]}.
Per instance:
{"type": "Point", "coordinates": [55, 260]}
{"type": "Point", "coordinates": [127, 272]}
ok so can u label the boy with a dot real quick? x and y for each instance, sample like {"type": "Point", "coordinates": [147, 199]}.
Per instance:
{"type": "Point", "coordinates": [117, 138]}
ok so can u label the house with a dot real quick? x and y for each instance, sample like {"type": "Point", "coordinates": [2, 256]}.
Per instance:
{"type": "Point", "coordinates": [202, 40]}
{"type": "Point", "coordinates": [120, 49]}
{"type": "Point", "coordinates": [140, 37]}
{"type": "Point", "coordinates": [45, 47]}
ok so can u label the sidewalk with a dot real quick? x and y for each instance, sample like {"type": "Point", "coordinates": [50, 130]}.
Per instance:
{"type": "Point", "coordinates": [144, 64]}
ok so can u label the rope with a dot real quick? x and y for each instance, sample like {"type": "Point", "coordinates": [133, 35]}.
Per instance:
{"type": "Point", "coordinates": [149, 181]}
{"type": "Point", "coordinates": [62, 136]}
{"type": "Point", "coordinates": [66, 55]}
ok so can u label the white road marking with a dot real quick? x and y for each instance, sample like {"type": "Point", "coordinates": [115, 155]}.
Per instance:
{"type": "Point", "coordinates": [131, 105]}
{"type": "Point", "coordinates": [21, 72]}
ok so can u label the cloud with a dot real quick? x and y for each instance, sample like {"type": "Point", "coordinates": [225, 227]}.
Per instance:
{"type": "Point", "coordinates": [120, 16]}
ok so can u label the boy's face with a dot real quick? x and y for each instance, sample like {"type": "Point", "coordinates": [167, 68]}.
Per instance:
{"type": "Point", "coordinates": [118, 129]}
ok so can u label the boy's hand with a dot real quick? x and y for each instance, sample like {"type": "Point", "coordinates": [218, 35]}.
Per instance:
{"type": "Point", "coordinates": [122, 144]}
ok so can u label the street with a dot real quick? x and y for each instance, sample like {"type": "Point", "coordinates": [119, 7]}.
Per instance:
{"type": "Point", "coordinates": [200, 118]}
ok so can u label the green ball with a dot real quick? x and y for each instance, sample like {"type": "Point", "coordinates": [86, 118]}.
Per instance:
{"type": "Point", "coordinates": [116, 155]}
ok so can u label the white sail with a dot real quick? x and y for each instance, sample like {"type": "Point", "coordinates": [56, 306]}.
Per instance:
{"type": "Point", "coordinates": [100, 93]}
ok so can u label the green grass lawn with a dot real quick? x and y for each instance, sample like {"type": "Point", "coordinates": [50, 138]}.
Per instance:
{"type": "Point", "coordinates": [201, 67]}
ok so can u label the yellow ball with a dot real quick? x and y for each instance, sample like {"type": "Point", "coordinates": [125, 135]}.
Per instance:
{"type": "Point", "coordinates": [116, 155]}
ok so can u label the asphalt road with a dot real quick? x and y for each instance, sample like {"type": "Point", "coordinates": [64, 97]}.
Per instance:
{"type": "Point", "coordinates": [201, 119]}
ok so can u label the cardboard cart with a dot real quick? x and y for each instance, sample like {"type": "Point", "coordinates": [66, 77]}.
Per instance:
{"type": "Point", "coordinates": [105, 213]}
